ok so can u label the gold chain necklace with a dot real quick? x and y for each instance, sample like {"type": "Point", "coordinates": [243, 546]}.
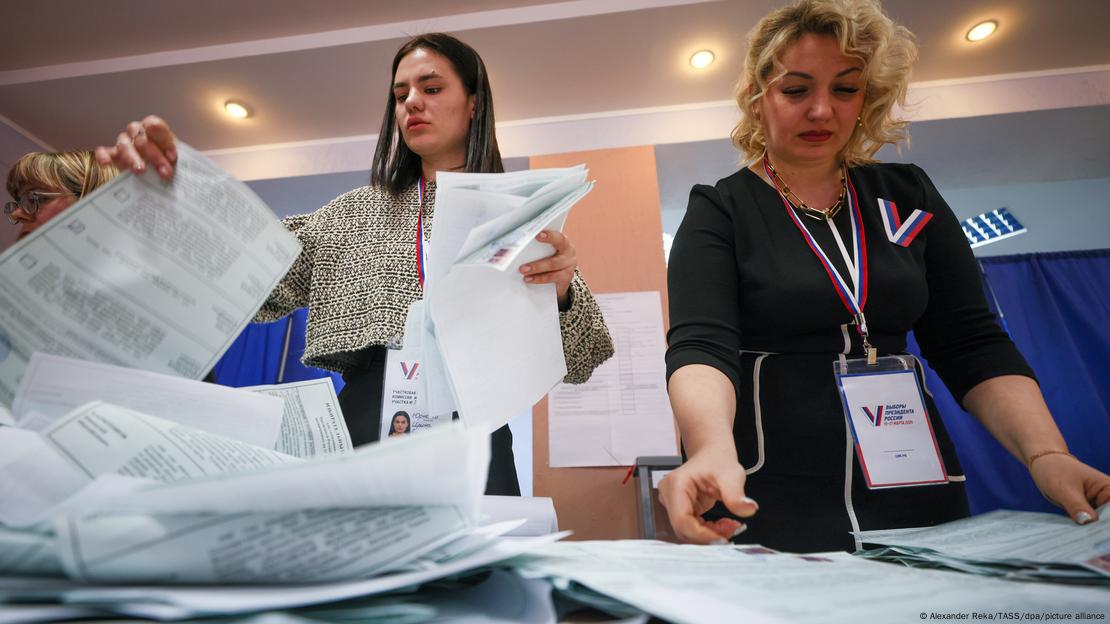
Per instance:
{"type": "Point", "coordinates": [813, 213]}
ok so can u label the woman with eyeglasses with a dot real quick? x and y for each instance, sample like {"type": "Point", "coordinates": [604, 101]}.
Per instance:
{"type": "Point", "coordinates": [43, 184]}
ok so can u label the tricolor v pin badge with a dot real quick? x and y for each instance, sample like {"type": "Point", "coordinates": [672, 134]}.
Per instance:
{"type": "Point", "coordinates": [902, 232]}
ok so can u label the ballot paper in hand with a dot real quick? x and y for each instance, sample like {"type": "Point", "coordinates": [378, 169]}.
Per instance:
{"type": "Point", "coordinates": [498, 335]}
{"type": "Point", "coordinates": [144, 273]}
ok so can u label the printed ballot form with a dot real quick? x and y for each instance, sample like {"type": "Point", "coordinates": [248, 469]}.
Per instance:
{"type": "Point", "coordinates": [312, 424]}
{"type": "Point", "coordinates": [623, 411]}
{"type": "Point", "coordinates": [53, 386]}
{"type": "Point", "coordinates": [144, 273]}
{"type": "Point", "coordinates": [499, 337]}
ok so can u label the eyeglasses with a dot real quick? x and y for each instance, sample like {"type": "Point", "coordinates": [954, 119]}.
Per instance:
{"type": "Point", "coordinates": [29, 203]}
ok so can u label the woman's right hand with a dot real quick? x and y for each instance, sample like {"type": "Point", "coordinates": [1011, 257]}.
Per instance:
{"type": "Point", "coordinates": [147, 141]}
{"type": "Point", "coordinates": [694, 487]}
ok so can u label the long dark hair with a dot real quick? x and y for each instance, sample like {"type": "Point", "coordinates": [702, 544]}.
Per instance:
{"type": "Point", "coordinates": [396, 167]}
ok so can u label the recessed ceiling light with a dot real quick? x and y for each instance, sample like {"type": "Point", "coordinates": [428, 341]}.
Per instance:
{"type": "Point", "coordinates": [702, 59]}
{"type": "Point", "coordinates": [237, 109]}
{"type": "Point", "coordinates": [982, 30]}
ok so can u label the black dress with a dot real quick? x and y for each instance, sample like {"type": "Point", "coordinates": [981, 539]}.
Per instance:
{"type": "Point", "coordinates": [361, 402]}
{"type": "Point", "coordinates": [748, 297]}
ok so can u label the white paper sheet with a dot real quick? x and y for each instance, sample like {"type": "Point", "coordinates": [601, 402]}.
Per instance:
{"type": "Point", "coordinates": [1007, 535]}
{"type": "Point", "coordinates": [442, 466]}
{"type": "Point", "coordinates": [28, 552]}
{"type": "Point", "coordinates": [316, 545]}
{"type": "Point", "coordinates": [167, 602]}
{"type": "Point", "coordinates": [499, 337]}
{"type": "Point", "coordinates": [45, 469]}
{"type": "Point", "coordinates": [538, 513]}
{"type": "Point", "coordinates": [144, 273]}
{"type": "Point", "coordinates": [683, 583]}
{"type": "Point", "coordinates": [54, 385]}
{"type": "Point", "coordinates": [623, 411]}
{"type": "Point", "coordinates": [312, 424]}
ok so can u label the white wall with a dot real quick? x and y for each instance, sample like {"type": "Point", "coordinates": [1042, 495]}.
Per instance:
{"type": "Point", "coordinates": [1060, 216]}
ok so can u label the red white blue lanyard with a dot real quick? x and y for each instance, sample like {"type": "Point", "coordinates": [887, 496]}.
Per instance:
{"type": "Point", "coordinates": [855, 298]}
{"type": "Point", "coordinates": [421, 260]}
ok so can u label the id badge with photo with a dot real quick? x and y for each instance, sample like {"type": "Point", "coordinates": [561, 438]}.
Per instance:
{"type": "Point", "coordinates": [404, 394]}
{"type": "Point", "coordinates": [885, 409]}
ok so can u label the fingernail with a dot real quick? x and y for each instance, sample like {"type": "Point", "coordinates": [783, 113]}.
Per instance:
{"type": "Point", "coordinates": [740, 529]}
{"type": "Point", "coordinates": [164, 170]}
{"type": "Point", "coordinates": [542, 235]}
{"type": "Point", "coordinates": [718, 542]}
{"type": "Point", "coordinates": [1083, 517]}
{"type": "Point", "coordinates": [526, 268]}
{"type": "Point", "coordinates": [139, 168]}
{"type": "Point", "coordinates": [751, 501]}
{"type": "Point", "coordinates": [529, 279]}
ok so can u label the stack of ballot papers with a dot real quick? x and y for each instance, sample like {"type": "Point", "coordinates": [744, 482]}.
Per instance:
{"type": "Point", "coordinates": [276, 507]}
{"type": "Point", "coordinates": [755, 585]}
{"type": "Point", "coordinates": [1017, 545]}
{"type": "Point", "coordinates": [106, 494]}
{"type": "Point", "coordinates": [492, 343]}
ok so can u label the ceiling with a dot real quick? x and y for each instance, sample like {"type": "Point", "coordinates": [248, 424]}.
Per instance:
{"type": "Point", "coordinates": [567, 75]}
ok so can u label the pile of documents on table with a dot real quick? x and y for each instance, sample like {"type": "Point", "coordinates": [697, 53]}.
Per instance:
{"type": "Point", "coordinates": [1017, 545]}
{"type": "Point", "coordinates": [753, 584]}
{"type": "Point", "coordinates": [108, 494]}
{"type": "Point", "coordinates": [116, 466]}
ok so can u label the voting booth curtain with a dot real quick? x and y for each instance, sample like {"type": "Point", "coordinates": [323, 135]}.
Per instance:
{"type": "Point", "coordinates": [270, 353]}
{"type": "Point", "coordinates": [1055, 307]}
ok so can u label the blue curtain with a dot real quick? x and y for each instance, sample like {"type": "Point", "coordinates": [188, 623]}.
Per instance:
{"type": "Point", "coordinates": [1056, 307]}
{"type": "Point", "coordinates": [269, 353]}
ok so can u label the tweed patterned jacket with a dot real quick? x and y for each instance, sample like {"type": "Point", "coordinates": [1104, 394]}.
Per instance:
{"type": "Point", "coordinates": [357, 275]}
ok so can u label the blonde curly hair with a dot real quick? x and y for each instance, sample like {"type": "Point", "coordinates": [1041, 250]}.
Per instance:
{"type": "Point", "coordinates": [75, 172]}
{"type": "Point", "coordinates": [864, 31]}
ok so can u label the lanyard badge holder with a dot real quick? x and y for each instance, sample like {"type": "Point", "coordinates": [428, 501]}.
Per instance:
{"type": "Point", "coordinates": [881, 396]}
{"type": "Point", "coordinates": [405, 395]}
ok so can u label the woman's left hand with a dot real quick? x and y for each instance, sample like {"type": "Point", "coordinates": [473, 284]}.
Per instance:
{"type": "Point", "coordinates": [1069, 483]}
{"type": "Point", "coordinates": [555, 269]}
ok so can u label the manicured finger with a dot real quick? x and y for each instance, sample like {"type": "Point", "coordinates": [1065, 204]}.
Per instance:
{"type": "Point", "coordinates": [734, 499]}
{"type": "Point", "coordinates": [691, 529]}
{"type": "Point", "coordinates": [1101, 494]}
{"type": "Point", "coordinates": [153, 154]}
{"type": "Point", "coordinates": [556, 239]}
{"type": "Point", "coordinates": [727, 528]}
{"type": "Point", "coordinates": [1075, 503]}
{"type": "Point", "coordinates": [551, 277]}
{"type": "Point", "coordinates": [677, 496]}
{"type": "Point", "coordinates": [547, 265]}
{"type": "Point", "coordinates": [104, 154]}
{"type": "Point", "coordinates": [126, 156]}
{"type": "Point", "coordinates": [159, 134]}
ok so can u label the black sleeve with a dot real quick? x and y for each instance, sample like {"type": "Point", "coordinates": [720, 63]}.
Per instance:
{"type": "Point", "coordinates": [958, 334]}
{"type": "Point", "coordinates": [703, 284]}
